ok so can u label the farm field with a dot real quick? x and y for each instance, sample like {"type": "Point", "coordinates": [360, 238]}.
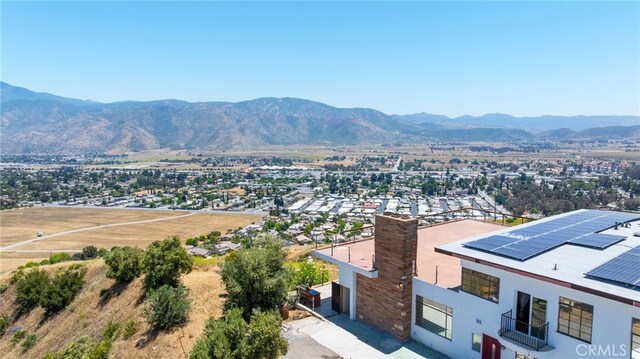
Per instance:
{"type": "Point", "coordinates": [70, 229]}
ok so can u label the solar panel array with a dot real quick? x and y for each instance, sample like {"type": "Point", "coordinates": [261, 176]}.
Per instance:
{"type": "Point", "coordinates": [624, 268]}
{"type": "Point", "coordinates": [578, 229]}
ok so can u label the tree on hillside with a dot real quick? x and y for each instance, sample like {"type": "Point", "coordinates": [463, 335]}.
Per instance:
{"type": "Point", "coordinates": [125, 264]}
{"type": "Point", "coordinates": [63, 288]}
{"type": "Point", "coordinates": [89, 252]}
{"type": "Point", "coordinates": [167, 307]}
{"type": "Point", "coordinates": [164, 262]}
{"type": "Point", "coordinates": [255, 277]}
{"type": "Point", "coordinates": [29, 289]}
{"type": "Point", "coordinates": [233, 337]}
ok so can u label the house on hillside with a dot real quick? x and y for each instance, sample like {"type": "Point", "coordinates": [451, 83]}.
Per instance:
{"type": "Point", "coordinates": [552, 288]}
{"type": "Point", "coordinates": [199, 252]}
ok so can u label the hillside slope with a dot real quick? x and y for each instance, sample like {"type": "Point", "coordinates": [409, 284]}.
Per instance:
{"type": "Point", "coordinates": [90, 313]}
{"type": "Point", "coordinates": [39, 123]}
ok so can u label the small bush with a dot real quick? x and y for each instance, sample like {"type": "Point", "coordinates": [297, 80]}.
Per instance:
{"type": "Point", "coordinates": [167, 307]}
{"type": "Point", "coordinates": [29, 290]}
{"type": "Point", "coordinates": [192, 242]}
{"type": "Point", "coordinates": [4, 324]}
{"type": "Point", "coordinates": [130, 328]}
{"type": "Point", "coordinates": [63, 288]}
{"type": "Point", "coordinates": [102, 252]}
{"type": "Point", "coordinates": [17, 275]}
{"type": "Point", "coordinates": [125, 264]}
{"type": "Point", "coordinates": [81, 348]}
{"type": "Point", "coordinates": [90, 252]}
{"type": "Point", "coordinates": [29, 341]}
{"type": "Point", "coordinates": [59, 257]}
{"type": "Point", "coordinates": [77, 257]}
{"type": "Point", "coordinates": [112, 331]}
{"type": "Point", "coordinates": [3, 287]}
{"type": "Point", "coordinates": [18, 336]}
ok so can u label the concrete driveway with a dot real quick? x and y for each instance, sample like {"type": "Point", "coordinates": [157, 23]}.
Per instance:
{"type": "Point", "coordinates": [338, 337]}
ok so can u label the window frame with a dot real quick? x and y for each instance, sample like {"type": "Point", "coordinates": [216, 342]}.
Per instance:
{"type": "Point", "coordinates": [438, 308]}
{"type": "Point", "coordinates": [473, 342]}
{"type": "Point", "coordinates": [576, 310]}
{"type": "Point", "coordinates": [635, 337]}
{"type": "Point", "coordinates": [491, 282]}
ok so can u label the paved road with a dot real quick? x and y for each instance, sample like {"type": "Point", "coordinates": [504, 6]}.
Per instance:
{"type": "Point", "coordinates": [19, 244]}
{"type": "Point", "coordinates": [395, 167]}
{"type": "Point", "coordinates": [41, 250]}
{"type": "Point", "coordinates": [256, 211]}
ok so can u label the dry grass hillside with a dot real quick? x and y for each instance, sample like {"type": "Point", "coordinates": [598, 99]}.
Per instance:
{"type": "Point", "coordinates": [92, 309]}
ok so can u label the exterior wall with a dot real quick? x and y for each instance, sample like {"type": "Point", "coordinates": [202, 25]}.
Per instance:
{"type": "Point", "coordinates": [385, 302]}
{"type": "Point", "coordinates": [471, 314]}
{"type": "Point", "coordinates": [346, 278]}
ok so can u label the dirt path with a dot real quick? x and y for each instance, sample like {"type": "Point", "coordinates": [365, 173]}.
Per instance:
{"type": "Point", "coordinates": [11, 246]}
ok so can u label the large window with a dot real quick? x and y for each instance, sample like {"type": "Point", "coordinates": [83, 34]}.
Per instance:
{"type": "Point", "coordinates": [635, 338]}
{"type": "Point", "coordinates": [575, 319]}
{"type": "Point", "coordinates": [480, 284]}
{"type": "Point", "coordinates": [434, 317]}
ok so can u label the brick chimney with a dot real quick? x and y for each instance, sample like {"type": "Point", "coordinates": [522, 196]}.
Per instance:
{"type": "Point", "coordinates": [385, 302]}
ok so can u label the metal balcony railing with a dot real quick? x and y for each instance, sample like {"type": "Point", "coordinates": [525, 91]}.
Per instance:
{"type": "Point", "coordinates": [533, 336]}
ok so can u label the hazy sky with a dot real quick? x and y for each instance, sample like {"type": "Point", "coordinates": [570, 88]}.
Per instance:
{"type": "Point", "coordinates": [448, 58]}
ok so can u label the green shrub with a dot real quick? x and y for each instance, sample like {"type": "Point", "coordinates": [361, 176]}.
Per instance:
{"type": "Point", "coordinates": [29, 290]}
{"type": "Point", "coordinates": [4, 324]}
{"type": "Point", "coordinates": [164, 262]}
{"type": "Point", "coordinates": [17, 275]}
{"type": "Point", "coordinates": [81, 348]}
{"type": "Point", "coordinates": [90, 252]}
{"type": "Point", "coordinates": [192, 242]}
{"type": "Point", "coordinates": [112, 331]}
{"type": "Point", "coordinates": [59, 257]}
{"type": "Point", "coordinates": [309, 273]}
{"type": "Point", "coordinates": [3, 287]}
{"type": "Point", "coordinates": [233, 337]}
{"type": "Point", "coordinates": [102, 252]}
{"type": "Point", "coordinates": [63, 288]}
{"type": "Point", "coordinates": [125, 264]}
{"type": "Point", "coordinates": [18, 336]}
{"type": "Point", "coordinates": [78, 257]}
{"type": "Point", "coordinates": [130, 328]}
{"type": "Point", "coordinates": [29, 341]}
{"type": "Point", "coordinates": [167, 307]}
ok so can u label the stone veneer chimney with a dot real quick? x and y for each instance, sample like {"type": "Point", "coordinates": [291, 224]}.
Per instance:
{"type": "Point", "coordinates": [385, 302]}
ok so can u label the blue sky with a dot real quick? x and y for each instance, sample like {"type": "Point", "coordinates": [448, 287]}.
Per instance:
{"type": "Point", "coordinates": [450, 58]}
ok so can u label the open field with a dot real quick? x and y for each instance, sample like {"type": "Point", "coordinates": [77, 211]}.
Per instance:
{"type": "Point", "coordinates": [69, 229]}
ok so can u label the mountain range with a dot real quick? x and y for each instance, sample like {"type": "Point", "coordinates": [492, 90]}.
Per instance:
{"type": "Point", "coordinates": [34, 122]}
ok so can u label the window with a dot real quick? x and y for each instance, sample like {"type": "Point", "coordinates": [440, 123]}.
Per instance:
{"type": "Point", "coordinates": [476, 342]}
{"type": "Point", "coordinates": [635, 338]}
{"type": "Point", "coordinates": [480, 284]}
{"type": "Point", "coordinates": [434, 317]}
{"type": "Point", "coordinates": [575, 319]}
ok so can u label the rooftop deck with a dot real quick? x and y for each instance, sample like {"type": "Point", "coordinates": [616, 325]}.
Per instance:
{"type": "Point", "coordinates": [360, 254]}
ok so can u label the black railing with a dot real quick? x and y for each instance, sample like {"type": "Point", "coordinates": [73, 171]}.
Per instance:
{"type": "Point", "coordinates": [533, 336]}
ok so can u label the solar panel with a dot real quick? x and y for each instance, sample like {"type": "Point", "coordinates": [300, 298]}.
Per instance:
{"type": "Point", "coordinates": [624, 268]}
{"type": "Point", "coordinates": [491, 242]}
{"type": "Point", "coordinates": [576, 228]}
{"type": "Point", "coordinates": [597, 240]}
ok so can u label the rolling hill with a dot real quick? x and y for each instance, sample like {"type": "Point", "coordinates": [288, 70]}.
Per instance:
{"type": "Point", "coordinates": [44, 123]}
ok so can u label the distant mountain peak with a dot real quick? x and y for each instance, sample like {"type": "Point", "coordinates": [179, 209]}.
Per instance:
{"type": "Point", "coordinates": [44, 123]}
